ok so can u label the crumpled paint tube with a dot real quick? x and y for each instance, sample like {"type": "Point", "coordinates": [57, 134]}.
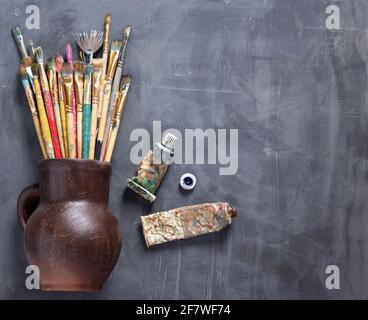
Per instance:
{"type": "Point", "coordinates": [186, 222]}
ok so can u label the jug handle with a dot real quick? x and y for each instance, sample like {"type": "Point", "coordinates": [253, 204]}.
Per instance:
{"type": "Point", "coordinates": [28, 201]}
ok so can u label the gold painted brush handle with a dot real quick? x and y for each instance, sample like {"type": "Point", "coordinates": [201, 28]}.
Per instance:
{"type": "Point", "coordinates": [93, 132]}
{"type": "Point", "coordinates": [63, 114]}
{"type": "Point", "coordinates": [112, 140]}
{"type": "Point", "coordinates": [71, 139]}
{"type": "Point", "coordinates": [105, 107]}
{"type": "Point", "coordinates": [100, 100]}
{"type": "Point", "coordinates": [45, 129]}
{"type": "Point", "coordinates": [36, 120]}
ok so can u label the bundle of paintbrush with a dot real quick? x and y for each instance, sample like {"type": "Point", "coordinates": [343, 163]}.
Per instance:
{"type": "Point", "coordinates": [76, 105]}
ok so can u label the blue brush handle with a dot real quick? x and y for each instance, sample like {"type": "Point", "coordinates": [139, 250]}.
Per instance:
{"type": "Point", "coordinates": [86, 129]}
{"type": "Point", "coordinates": [87, 106]}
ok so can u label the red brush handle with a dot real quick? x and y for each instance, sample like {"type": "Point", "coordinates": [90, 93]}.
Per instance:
{"type": "Point", "coordinates": [52, 123]}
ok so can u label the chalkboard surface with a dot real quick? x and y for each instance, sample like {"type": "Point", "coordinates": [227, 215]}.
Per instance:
{"type": "Point", "coordinates": [296, 92]}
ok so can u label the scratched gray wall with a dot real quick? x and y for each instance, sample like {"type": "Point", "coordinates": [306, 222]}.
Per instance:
{"type": "Point", "coordinates": [297, 94]}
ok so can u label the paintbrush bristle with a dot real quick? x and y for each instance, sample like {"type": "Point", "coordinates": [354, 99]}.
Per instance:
{"type": "Point", "coordinates": [69, 52]}
{"type": "Point", "coordinates": [127, 32]}
{"type": "Point", "coordinates": [35, 70]}
{"type": "Point", "coordinates": [90, 41]}
{"type": "Point", "coordinates": [51, 63]}
{"type": "Point", "coordinates": [79, 66]}
{"type": "Point", "coordinates": [67, 70]}
{"type": "Point", "coordinates": [27, 61]}
{"type": "Point", "coordinates": [39, 55]}
{"type": "Point", "coordinates": [17, 32]}
{"type": "Point", "coordinates": [125, 81]}
{"type": "Point", "coordinates": [116, 45]}
{"type": "Point", "coordinates": [59, 61]}
{"type": "Point", "coordinates": [108, 19]}
{"type": "Point", "coordinates": [22, 71]}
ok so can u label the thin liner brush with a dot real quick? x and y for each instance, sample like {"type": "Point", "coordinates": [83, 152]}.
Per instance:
{"type": "Point", "coordinates": [115, 86]}
{"type": "Point", "coordinates": [45, 129]}
{"type": "Point", "coordinates": [89, 43]}
{"type": "Point", "coordinates": [48, 102]}
{"type": "Point", "coordinates": [67, 75]}
{"type": "Point", "coordinates": [51, 74]}
{"type": "Point", "coordinates": [69, 59]}
{"type": "Point", "coordinates": [59, 61]}
{"type": "Point", "coordinates": [105, 49]}
{"type": "Point", "coordinates": [32, 107]}
{"type": "Point", "coordinates": [78, 86]}
{"type": "Point", "coordinates": [114, 55]}
{"type": "Point", "coordinates": [118, 111]}
{"type": "Point", "coordinates": [105, 54]}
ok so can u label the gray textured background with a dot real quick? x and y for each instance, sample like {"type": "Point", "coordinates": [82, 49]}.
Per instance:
{"type": "Point", "coordinates": [297, 93]}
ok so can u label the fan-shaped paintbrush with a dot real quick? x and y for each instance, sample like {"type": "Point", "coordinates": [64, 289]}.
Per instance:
{"type": "Point", "coordinates": [89, 43]}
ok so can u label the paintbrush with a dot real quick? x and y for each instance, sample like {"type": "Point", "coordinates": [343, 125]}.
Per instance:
{"type": "Point", "coordinates": [105, 53]}
{"type": "Point", "coordinates": [59, 62]}
{"type": "Point", "coordinates": [114, 55]}
{"type": "Point", "coordinates": [51, 74]}
{"type": "Point", "coordinates": [96, 81]}
{"type": "Point", "coordinates": [89, 43]}
{"type": "Point", "coordinates": [48, 102]}
{"type": "Point", "coordinates": [67, 75]}
{"type": "Point", "coordinates": [78, 86]}
{"type": "Point", "coordinates": [69, 59]}
{"type": "Point", "coordinates": [118, 111]}
{"type": "Point", "coordinates": [105, 49]}
{"type": "Point", "coordinates": [26, 60]}
{"type": "Point", "coordinates": [18, 36]}
{"type": "Point", "coordinates": [32, 107]}
{"type": "Point", "coordinates": [45, 128]}
{"type": "Point", "coordinates": [115, 86]}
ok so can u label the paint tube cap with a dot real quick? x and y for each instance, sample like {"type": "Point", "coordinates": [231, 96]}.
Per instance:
{"type": "Point", "coordinates": [188, 181]}
{"type": "Point", "coordinates": [169, 140]}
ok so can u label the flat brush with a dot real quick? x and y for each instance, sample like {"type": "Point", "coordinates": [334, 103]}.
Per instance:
{"type": "Point", "coordinates": [115, 86]}
{"type": "Point", "coordinates": [32, 107]}
{"type": "Point", "coordinates": [48, 102]}
{"type": "Point", "coordinates": [89, 43]}
{"type": "Point", "coordinates": [51, 74]}
{"type": "Point", "coordinates": [114, 55]}
{"type": "Point", "coordinates": [45, 128]}
{"type": "Point", "coordinates": [59, 62]}
{"type": "Point", "coordinates": [78, 87]}
{"type": "Point", "coordinates": [115, 121]}
{"type": "Point", "coordinates": [67, 75]}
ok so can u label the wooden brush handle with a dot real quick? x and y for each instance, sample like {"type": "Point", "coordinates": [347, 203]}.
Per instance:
{"type": "Point", "coordinates": [45, 129]}
{"type": "Point", "coordinates": [113, 97]}
{"type": "Point", "coordinates": [92, 132]}
{"type": "Point", "coordinates": [101, 129]}
{"type": "Point", "coordinates": [32, 108]}
{"type": "Point", "coordinates": [62, 113]}
{"type": "Point", "coordinates": [112, 140]}
{"type": "Point", "coordinates": [70, 131]}
{"type": "Point", "coordinates": [50, 112]}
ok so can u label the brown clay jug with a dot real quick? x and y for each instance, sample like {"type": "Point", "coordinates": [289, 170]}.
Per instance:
{"type": "Point", "coordinates": [69, 231]}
